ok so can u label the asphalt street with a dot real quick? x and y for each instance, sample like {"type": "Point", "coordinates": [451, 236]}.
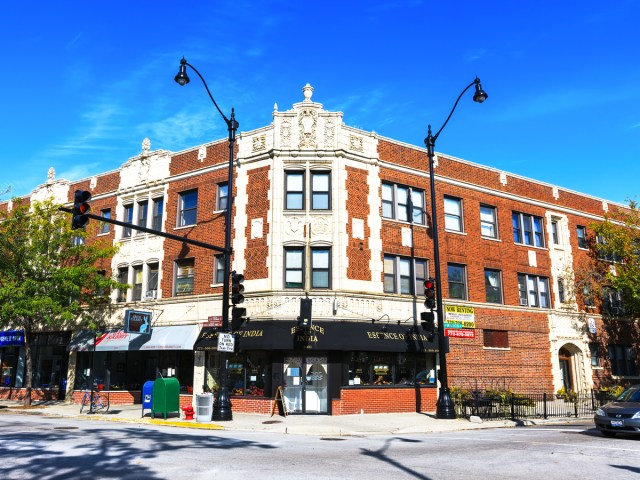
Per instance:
{"type": "Point", "coordinates": [33, 446]}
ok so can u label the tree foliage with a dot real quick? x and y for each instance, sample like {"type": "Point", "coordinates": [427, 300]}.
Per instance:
{"type": "Point", "coordinates": [617, 250]}
{"type": "Point", "coordinates": [50, 279]}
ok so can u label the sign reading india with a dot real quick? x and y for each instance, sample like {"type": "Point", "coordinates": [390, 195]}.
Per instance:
{"type": "Point", "coordinates": [459, 317]}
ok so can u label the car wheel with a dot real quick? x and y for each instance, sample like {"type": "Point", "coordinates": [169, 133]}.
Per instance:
{"type": "Point", "coordinates": [608, 434]}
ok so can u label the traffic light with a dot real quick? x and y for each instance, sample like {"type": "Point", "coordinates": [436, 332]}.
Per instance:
{"type": "Point", "coordinates": [81, 207]}
{"type": "Point", "coordinates": [237, 288]}
{"type": "Point", "coordinates": [238, 315]}
{"type": "Point", "coordinates": [304, 320]}
{"type": "Point", "coordinates": [430, 293]}
{"type": "Point", "coordinates": [428, 324]}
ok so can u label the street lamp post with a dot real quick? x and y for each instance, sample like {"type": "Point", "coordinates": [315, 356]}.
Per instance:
{"type": "Point", "coordinates": [222, 405]}
{"type": "Point", "coordinates": [445, 408]}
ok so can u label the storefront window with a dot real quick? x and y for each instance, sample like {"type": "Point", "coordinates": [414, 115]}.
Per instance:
{"type": "Point", "coordinates": [248, 373]}
{"type": "Point", "coordinates": [375, 368]}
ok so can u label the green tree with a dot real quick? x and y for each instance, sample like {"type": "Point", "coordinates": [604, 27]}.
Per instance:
{"type": "Point", "coordinates": [617, 251]}
{"type": "Point", "coordinates": [51, 277]}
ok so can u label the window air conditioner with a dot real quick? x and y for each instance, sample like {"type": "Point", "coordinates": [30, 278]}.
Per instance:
{"type": "Point", "coordinates": [523, 302]}
{"type": "Point", "coordinates": [150, 294]}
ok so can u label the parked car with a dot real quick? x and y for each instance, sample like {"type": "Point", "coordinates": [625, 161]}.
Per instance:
{"type": "Point", "coordinates": [620, 416]}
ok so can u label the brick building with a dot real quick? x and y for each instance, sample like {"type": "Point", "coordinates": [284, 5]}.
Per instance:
{"type": "Point", "coordinates": [332, 213]}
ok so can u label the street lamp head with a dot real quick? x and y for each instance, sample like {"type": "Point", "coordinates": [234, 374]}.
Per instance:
{"type": "Point", "coordinates": [480, 95]}
{"type": "Point", "coordinates": [182, 78]}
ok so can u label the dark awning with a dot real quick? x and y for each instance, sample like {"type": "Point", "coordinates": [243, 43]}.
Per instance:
{"type": "Point", "coordinates": [343, 335]}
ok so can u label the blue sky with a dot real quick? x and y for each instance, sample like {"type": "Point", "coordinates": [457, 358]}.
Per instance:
{"type": "Point", "coordinates": [85, 82]}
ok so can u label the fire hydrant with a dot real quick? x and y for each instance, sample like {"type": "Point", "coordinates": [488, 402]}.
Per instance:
{"type": "Point", "coordinates": [188, 412]}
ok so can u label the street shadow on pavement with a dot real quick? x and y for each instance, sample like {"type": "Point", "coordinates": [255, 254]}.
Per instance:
{"type": "Point", "coordinates": [102, 454]}
{"type": "Point", "coordinates": [380, 455]}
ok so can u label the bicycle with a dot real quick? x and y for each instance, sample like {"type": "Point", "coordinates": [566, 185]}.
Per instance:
{"type": "Point", "coordinates": [99, 403]}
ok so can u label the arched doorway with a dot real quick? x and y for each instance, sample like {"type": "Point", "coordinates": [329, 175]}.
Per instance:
{"type": "Point", "coordinates": [566, 369]}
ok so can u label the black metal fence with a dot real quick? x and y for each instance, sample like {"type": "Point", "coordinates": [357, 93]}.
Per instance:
{"type": "Point", "coordinates": [512, 406]}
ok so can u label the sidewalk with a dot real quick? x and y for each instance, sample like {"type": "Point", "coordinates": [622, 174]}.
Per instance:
{"type": "Point", "coordinates": [321, 425]}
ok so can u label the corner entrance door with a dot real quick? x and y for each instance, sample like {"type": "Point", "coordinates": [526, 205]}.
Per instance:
{"type": "Point", "coordinates": [305, 390]}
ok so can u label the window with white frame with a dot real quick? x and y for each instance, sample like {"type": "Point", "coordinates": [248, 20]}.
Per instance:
{"type": "Point", "coordinates": [218, 269]}
{"type": "Point", "coordinates": [104, 226]}
{"type": "Point", "coordinates": [320, 267]}
{"type": "Point", "coordinates": [453, 214]}
{"type": "Point", "coordinates": [128, 218]}
{"type": "Point", "coordinates": [555, 231]}
{"type": "Point", "coordinates": [582, 236]}
{"type": "Point", "coordinates": [488, 221]}
{"type": "Point", "coordinates": [153, 272]}
{"type": "Point", "coordinates": [403, 203]}
{"type": "Point", "coordinates": [594, 350]}
{"type": "Point", "coordinates": [158, 210]}
{"type": "Point", "coordinates": [136, 291]}
{"type": "Point", "coordinates": [320, 190]}
{"type": "Point", "coordinates": [222, 196]}
{"type": "Point", "coordinates": [493, 285]}
{"type": "Point", "coordinates": [561, 295]}
{"type": "Point", "coordinates": [457, 275]}
{"type": "Point", "coordinates": [295, 267]}
{"type": "Point", "coordinates": [187, 208]}
{"type": "Point", "coordinates": [294, 190]}
{"type": "Point", "coordinates": [533, 291]}
{"type": "Point", "coordinates": [404, 275]}
{"type": "Point", "coordinates": [184, 276]}
{"type": "Point", "coordinates": [528, 229]}
{"type": "Point", "coordinates": [123, 278]}
{"type": "Point", "coordinates": [143, 213]}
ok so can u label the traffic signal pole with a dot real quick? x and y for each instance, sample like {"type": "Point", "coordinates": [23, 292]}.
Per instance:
{"type": "Point", "coordinates": [151, 230]}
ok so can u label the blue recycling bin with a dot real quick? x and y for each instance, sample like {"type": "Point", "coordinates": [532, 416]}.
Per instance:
{"type": "Point", "coordinates": [147, 396]}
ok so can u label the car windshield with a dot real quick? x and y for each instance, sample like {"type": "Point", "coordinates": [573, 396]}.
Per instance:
{"type": "Point", "coordinates": [630, 395]}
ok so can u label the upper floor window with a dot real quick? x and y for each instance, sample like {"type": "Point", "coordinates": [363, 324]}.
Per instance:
{"type": "Point", "coordinates": [184, 277]}
{"type": "Point", "coordinates": [128, 218]}
{"type": "Point", "coordinates": [404, 275]}
{"type": "Point", "coordinates": [561, 295]}
{"type": "Point", "coordinates": [495, 338]}
{"type": "Point", "coordinates": [604, 253]}
{"type": "Point", "coordinates": [152, 281]}
{"type": "Point", "coordinates": [493, 285]}
{"type": "Point", "coordinates": [527, 229]}
{"type": "Point", "coordinates": [555, 234]}
{"type": "Point", "coordinates": [143, 212]}
{"type": "Point", "coordinates": [223, 196]}
{"type": "Point", "coordinates": [453, 214]}
{"type": "Point", "coordinates": [104, 226]}
{"type": "Point", "coordinates": [612, 301]}
{"type": "Point", "coordinates": [533, 290]}
{"type": "Point", "coordinates": [320, 267]}
{"type": "Point", "coordinates": [187, 208]}
{"type": "Point", "coordinates": [403, 203]}
{"type": "Point", "coordinates": [594, 350]}
{"type": "Point", "coordinates": [622, 360]}
{"type": "Point", "coordinates": [158, 210]}
{"type": "Point", "coordinates": [123, 278]}
{"type": "Point", "coordinates": [320, 190]}
{"type": "Point", "coordinates": [218, 269]}
{"type": "Point", "coordinates": [294, 267]}
{"type": "Point", "coordinates": [457, 275]}
{"type": "Point", "coordinates": [136, 293]}
{"type": "Point", "coordinates": [294, 190]}
{"type": "Point", "coordinates": [582, 236]}
{"type": "Point", "coordinates": [488, 221]}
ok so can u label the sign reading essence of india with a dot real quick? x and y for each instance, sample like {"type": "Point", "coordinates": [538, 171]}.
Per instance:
{"type": "Point", "coordinates": [459, 321]}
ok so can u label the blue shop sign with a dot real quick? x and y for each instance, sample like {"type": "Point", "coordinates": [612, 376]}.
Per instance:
{"type": "Point", "coordinates": [12, 338]}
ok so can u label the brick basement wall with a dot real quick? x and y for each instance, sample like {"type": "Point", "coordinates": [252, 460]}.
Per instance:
{"type": "Point", "coordinates": [384, 400]}
{"type": "Point", "coordinates": [37, 394]}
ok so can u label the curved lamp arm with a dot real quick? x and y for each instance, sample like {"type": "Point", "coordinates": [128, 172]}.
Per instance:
{"type": "Point", "coordinates": [480, 96]}
{"type": "Point", "coordinates": [182, 79]}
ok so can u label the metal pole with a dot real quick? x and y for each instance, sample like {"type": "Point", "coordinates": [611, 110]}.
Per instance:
{"type": "Point", "coordinates": [445, 408]}
{"type": "Point", "coordinates": [222, 405]}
